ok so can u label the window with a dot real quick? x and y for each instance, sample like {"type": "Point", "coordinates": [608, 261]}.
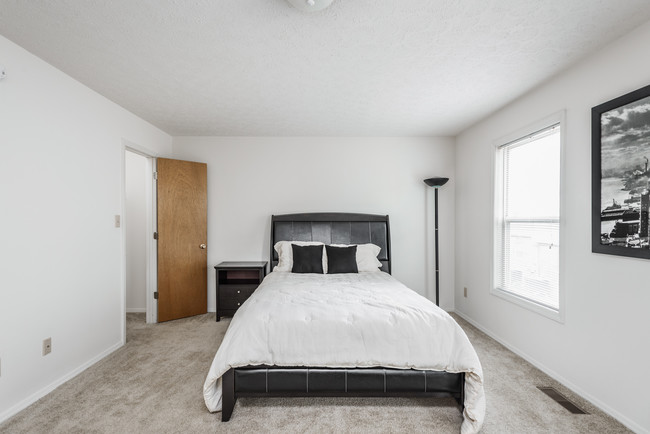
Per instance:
{"type": "Point", "coordinates": [527, 230]}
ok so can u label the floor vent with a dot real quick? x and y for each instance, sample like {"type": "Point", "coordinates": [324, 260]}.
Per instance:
{"type": "Point", "coordinates": [562, 400]}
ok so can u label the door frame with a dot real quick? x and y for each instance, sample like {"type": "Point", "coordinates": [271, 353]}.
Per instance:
{"type": "Point", "coordinates": [151, 227]}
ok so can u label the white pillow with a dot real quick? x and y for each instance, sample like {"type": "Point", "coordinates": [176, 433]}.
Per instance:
{"type": "Point", "coordinates": [366, 257]}
{"type": "Point", "coordinates": [285, 254]}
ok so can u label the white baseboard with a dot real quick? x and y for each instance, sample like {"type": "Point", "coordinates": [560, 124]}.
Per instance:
{"type": "Point", "coordinates": [136, 310]}
{"type": "Point", "coordinates": [551, 373]}
{"type": "Point", "coordinates": [47, 389]}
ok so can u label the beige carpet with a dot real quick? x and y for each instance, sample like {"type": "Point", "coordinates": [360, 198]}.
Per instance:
{"type": "Point", "coordinates": [153, 385]}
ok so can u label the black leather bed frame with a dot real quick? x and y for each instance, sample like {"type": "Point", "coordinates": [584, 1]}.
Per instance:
{"type": "Point", "coordinates": [276, 381]}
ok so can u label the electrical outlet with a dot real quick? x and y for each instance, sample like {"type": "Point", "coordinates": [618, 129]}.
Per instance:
{"type": "Point", "coordinates": [465, 292]}
{"type": "Point", "coordinates": [47, 346]}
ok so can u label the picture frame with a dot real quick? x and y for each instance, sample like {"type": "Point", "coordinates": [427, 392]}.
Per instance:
{"type": "Point", "coordinates": [620, 144]}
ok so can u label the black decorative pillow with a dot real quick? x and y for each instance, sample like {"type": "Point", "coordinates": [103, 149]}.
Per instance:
{"type": "Point", "coordinates": [307, 259]}
{"type": "Point", "coordinates": [341, 259]}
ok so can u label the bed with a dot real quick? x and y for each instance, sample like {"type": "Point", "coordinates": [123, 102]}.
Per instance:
{"type": "Point", "coordinates": [357, 334]}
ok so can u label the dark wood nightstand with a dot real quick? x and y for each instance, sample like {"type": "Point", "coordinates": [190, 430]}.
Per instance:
{"type": "Point", "coordinates": [236, 281]}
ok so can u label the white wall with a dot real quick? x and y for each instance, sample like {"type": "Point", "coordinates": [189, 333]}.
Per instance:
{"type": "Point", "coordinates": [136, 225]}
{"type": "Point", "coordinates": [602, 349]}
{"type": "Point", "coordinates": [249, 179]}
{"type": "Point", "coordinates": [61, 271]}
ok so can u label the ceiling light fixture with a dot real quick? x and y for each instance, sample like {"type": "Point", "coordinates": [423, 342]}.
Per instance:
{"type": "Point", "coordinates": [310, 5]}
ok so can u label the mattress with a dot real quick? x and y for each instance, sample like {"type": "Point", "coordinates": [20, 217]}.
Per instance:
{"type": "Point", "coordinates": [346, 321]}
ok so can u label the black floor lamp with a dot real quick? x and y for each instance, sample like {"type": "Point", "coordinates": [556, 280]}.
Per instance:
{"type": "Point", "coordinates": [436, 183]}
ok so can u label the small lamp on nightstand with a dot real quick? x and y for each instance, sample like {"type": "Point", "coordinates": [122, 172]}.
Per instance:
{"type": "Point", "coordinates": [436, 183]}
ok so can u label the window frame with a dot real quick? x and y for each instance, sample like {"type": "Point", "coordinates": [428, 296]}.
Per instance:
{"type": "Point", "coordinates": [497, 217]}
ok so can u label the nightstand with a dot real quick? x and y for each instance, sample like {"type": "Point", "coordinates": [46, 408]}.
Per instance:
{"type": "Point", "coordinates": [236, 281]}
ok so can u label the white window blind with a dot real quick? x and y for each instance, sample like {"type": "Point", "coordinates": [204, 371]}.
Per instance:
{"type": "Point", "coordinates": [528, 218]}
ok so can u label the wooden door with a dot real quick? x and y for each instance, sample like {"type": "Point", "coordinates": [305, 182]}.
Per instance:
{"type": "Point", "coordinates": [182, 239]}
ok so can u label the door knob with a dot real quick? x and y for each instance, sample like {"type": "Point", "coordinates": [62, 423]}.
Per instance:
{"type": "Point", "coordinates": [203, 246]}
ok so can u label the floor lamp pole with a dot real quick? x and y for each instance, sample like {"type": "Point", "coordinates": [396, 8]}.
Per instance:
{"type": "Point", "coordinates": [436, 182]}
{"type": "Point", "coordinates": [436, 252]}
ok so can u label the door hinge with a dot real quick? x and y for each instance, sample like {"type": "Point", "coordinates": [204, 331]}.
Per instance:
{"type": "Point", "coordinates": [155, 175]}
{"type": "Point", "coordinates": [155, 235]}
{"type": "Point", "coordinates": [155, 295]}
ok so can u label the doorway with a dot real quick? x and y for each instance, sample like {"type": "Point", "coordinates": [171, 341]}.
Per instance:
{"type": "Point", "coordinates": [138, 227]}
{"type": "Point", "coordinates": [135, 214]}
{"type": "Point", "coordinates": [180, 191]}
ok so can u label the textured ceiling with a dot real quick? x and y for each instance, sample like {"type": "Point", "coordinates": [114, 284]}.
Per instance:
{"type": "Point", "coordinates": [360, 67]}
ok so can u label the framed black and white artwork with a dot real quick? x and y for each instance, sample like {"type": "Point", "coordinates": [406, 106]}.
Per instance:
{"type": "Point", "coordinates": [620, 141]}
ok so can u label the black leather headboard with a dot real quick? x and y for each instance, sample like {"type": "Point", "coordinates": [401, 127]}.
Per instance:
{"type": "Point", "coordinates": [333, 228]}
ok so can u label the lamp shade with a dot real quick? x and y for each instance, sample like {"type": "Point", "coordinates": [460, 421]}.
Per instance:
{"type": "Point", "coordinates": [436, 182]}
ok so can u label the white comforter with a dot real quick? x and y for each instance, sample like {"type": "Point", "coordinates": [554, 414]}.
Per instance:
{"type": "Point", "coordinates": [346, 320]}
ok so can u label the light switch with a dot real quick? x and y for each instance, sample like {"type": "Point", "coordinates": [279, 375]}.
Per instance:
{"type": "Point", "coordinates": [117, 221]}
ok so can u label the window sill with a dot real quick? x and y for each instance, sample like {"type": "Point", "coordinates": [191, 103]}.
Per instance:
{"type": "Point", "coordinates": [555, 315]}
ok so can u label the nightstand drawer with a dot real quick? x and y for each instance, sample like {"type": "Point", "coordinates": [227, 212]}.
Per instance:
{"type": "Point", "coordinates": [240, 291]}
{"type": "Point", "coordinates": [230, 303]}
